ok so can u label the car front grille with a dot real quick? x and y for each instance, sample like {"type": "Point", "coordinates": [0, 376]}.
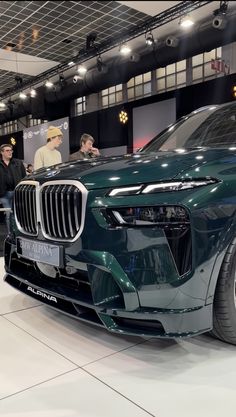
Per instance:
{"type": "Point", "coordinates": [25, 208]}
{"type": "Point", "coordinates": [58, 206]}
{"type": "Point", "coordinates": [61, 210]}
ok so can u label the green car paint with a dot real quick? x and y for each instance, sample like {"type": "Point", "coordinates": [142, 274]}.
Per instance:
{"type": "Point", "coordinates": [153, 231]}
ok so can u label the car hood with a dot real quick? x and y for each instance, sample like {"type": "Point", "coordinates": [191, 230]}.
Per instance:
{"type": "Point", "coordinates": [130, 169]}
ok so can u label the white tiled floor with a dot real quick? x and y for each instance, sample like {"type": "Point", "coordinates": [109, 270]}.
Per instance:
{"type": "Point", "coordinates": [54, 366]}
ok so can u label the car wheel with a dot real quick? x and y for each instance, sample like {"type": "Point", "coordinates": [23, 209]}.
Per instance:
{"type": "Point", "coordinates": [224, 306]}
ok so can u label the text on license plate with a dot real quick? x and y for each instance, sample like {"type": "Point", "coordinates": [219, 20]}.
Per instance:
{"type": "Point", "coordinates": [39, 251]}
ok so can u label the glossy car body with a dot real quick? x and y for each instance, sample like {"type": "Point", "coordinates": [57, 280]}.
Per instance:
{"type": "Point", "coordinates": [133, 243]}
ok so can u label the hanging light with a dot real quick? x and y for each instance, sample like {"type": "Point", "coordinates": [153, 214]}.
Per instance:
{"type": "Point", "coordinates": [125, 49]}
{"type": "Point", "coordinates": [186, 22]}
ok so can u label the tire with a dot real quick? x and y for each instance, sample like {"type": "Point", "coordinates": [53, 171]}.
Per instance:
{"type": "Point", "coordinates": [224, 306]}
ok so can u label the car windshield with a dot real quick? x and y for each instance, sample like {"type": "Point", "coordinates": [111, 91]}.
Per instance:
{"type": "Point", "coordinates": [213, 126]}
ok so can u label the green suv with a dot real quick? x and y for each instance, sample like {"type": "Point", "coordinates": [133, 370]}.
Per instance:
{"type": "Point", "coordinates": [140, 244]}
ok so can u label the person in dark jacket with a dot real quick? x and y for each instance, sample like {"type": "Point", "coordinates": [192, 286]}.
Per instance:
{"type": "Point", "coordinates": [11, 172]}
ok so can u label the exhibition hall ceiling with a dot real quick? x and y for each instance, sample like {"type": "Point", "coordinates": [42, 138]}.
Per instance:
{"type": "Point", "coordinates": [38, 35]}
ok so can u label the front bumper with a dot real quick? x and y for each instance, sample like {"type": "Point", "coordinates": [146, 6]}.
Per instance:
{"type": "Point", "coordinates": [97, 290]}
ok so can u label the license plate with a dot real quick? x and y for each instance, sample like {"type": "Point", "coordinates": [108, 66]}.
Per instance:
{"type": "Point", "coordinates": [40, 251]}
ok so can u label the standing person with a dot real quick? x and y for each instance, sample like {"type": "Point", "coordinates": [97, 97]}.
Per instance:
{"type": "Point", "coordinates": [86, 151]}
{"type": "Point", "coordinates": [12, 171]}
{"type": "Point", "coordinates": [48, 155]}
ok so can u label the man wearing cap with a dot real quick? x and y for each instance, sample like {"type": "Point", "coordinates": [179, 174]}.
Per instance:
{"type": "Point", "coordinates": [48, 155]}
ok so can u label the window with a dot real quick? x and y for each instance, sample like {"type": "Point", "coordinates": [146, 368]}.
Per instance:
{"type": "Point", "coordinates": [171, 77]}
{"type": "Point", "coordinates": [202, 65]}
{"type": "Point", "coordinates": [111, 96]}
{"type": "Point", "coordinates": [10, 127]}
{"type": "Point", "coordinates": [80, 106]}
{"type": "Point", "coordinates": [34, 122]}
{"type": "Point", "coordinates": [139, 86]}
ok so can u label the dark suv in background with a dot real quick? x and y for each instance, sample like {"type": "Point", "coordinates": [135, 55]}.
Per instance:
{"type": "Point", "coordinates": [141, 244]}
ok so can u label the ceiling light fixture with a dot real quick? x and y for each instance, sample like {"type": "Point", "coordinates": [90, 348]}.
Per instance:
{"type": "Point", "coordinates": [220, 20]}
{"type": "Point", "coordinates": [33, 92]}
{"type": "Point", "coordinates": [62, 80]}
{"type": "Point", "coordinates": [77, 78]}
{"type": "Point", "coordinates": [154, 22]}
{"type": "Point", "coordinates": [186, 22]}
{"type": "Point", "coordinates": [81, 70]}
{"type": "Point", "coordinates": [124, 49]}
{"type": "Point", "coordinates": [90, 39]}
{"type": "Point", "coordinates": [22, 95]}
{"type": "Point", "coordinates": [101, 66]}
{"type": "Point", "coordinates": [172, 41]}
{"type": "Point", "coordinates": [49, 84]}
{"type": "Point", "coordinates": [149, 39]}
{"type": "Point", "coordinates": [2, 106]}
{"type": "Point", "coordinates": [222, 9]}
{"type": "Point", "coordinates": [99, 63]}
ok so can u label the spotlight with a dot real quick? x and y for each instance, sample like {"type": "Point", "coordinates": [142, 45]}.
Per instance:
{"type": "Point", "coordinates": [33, 92]}
{"type": "Point", "coordinates": [186, 22]}
{"type": "Point", "coordinates": [90, 39]}
{"type": "Point", "coordinates": [124, 49]}
{"type": "Point", "coordinates": [219, 22]}
{"type": "Point", "coordinates": [49, 84]}
{"type": "Point", "coordinates": [123, 117]}
{"type": "Point", "coordinates": [149, 39]}
{"type": "Point", "coordinates": [172, 42]}
{"type": "Point", "coordinates": [82, 70]}
{"type": "Point", "coordinates": [234, 91]}
{"type": "Point", "coordinates": [99, 63]}
{"type": "Point", "coordinates": [62, 80]}
{"type": "Point", "coordinates": [76, 78]}
{"type": "Point", "coordinates": [2, 106]}
{"type": "Point", "coordinates": [22, 95]}
{"type": "Point", "coordinates": [134, 57]}
{"type": "Point", "coordinates": [222, 9]}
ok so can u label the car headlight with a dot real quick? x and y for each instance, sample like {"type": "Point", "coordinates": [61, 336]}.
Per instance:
{"type": "Point", "coordinates": [177, 185]}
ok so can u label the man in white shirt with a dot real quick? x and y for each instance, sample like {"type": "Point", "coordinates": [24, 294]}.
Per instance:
{"type": "Point", "coordinates": [48, 155]}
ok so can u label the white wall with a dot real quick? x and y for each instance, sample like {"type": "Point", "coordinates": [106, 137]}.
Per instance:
{"type": "Point", "coordinates": [151, 119]}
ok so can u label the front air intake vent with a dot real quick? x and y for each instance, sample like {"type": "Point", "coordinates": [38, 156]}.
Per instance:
{"type": "Point", "coordinates": [61, 211]}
